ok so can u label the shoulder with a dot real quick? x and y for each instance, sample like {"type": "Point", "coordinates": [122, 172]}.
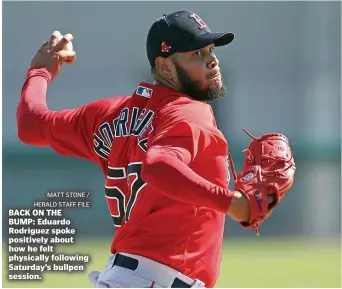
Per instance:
{"type": "Point", "coordinates": [109, 103]}
{"type": "Point", "coordinates": [103, 108]}
{"type": "Point", "coordinates": [180, 108]}
{"type": "Point", "coordinates": [172, 106]}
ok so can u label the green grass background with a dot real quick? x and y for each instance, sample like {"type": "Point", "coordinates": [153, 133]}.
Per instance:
{"type": "Point", "coordinates": [259, 262]}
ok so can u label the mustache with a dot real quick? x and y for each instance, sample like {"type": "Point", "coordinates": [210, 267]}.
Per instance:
{"type": "Point", "coordinates": [214, 73]}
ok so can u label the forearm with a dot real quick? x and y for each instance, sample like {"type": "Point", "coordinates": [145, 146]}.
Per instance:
{"type": "Point", "coordinates": [32, 107]}
{"type": "Point", "coordinates": [171, 177]}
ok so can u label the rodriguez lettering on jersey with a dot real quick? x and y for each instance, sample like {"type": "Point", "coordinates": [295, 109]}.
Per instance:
{"type": "Point", "coordinates": [128, 123]}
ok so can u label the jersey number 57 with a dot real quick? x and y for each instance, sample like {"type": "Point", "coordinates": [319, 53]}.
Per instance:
{"type": "Point", "coordinates": [116, 199]}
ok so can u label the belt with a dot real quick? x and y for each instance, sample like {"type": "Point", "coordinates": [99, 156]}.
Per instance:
{"type": "Point", "coordinates": [132, 264]}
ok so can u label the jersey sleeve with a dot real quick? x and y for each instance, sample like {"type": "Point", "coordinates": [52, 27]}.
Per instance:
{"type": "Point", "coordinates": [167, 168]}
{"type": "Point", "coordinates": [69, 132]}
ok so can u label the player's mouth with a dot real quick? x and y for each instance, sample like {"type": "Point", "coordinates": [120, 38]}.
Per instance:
{"type": "Point", "coordinates": [215, 74]}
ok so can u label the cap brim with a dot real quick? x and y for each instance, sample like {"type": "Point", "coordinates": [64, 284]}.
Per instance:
{"type": "Point", "coordinates": [219, 39]}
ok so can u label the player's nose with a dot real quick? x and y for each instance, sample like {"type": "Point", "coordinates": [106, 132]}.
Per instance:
{"type": "Point", "coordinates": [213, 62]}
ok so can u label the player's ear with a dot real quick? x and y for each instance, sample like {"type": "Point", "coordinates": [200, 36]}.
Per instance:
{"type": "Point", "coordinates": [164, 68]}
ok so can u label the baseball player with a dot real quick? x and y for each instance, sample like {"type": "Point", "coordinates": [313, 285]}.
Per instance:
{"type": "Point", "coordinates": [164, 159]}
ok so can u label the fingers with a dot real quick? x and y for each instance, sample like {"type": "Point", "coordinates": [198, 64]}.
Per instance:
{"type": "Point", "coordinates": [71, 58]}
{"type": "Point", "coordinates": [67, 57]}
{"type": "Point", "coordinates": [43, 46]}
{"type": "Point", "coordinates": [55, 36]}
{"type": "Point", "coordinates": [63, 42]}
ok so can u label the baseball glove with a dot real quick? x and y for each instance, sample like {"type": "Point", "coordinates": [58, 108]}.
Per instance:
{"type": "Point", "coordinates": [267, 176]}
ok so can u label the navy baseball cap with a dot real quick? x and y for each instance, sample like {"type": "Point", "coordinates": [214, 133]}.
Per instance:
{"type": "Point", "coordinates": [181, 31]}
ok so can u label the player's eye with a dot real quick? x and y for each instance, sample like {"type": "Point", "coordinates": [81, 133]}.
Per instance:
{"type": "Point", "coordinates": [197, 53]}
{"type": "Point", "coordinates": [211, 49]}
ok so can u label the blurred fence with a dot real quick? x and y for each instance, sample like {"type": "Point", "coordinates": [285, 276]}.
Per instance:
{"type": "Point", "coordinates": [282, 71]}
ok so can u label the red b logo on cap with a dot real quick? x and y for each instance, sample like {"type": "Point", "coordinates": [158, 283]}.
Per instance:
{"type": "Point", "coordinates": [199, 20]}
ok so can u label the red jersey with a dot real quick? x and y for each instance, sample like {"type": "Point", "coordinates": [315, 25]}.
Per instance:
{"type": "Point", "coordinates": [165, 164]}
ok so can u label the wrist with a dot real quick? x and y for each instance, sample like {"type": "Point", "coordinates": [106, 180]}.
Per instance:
{"type": "Point", "coordinates": [239, 208]}
{"type": "Point", "coordinates": [39, 71]}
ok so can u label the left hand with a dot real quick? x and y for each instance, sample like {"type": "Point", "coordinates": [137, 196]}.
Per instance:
{"type": "Point", "coordinates": [52, 54]}
{"type": "Point", "coordinates": [267, 176]}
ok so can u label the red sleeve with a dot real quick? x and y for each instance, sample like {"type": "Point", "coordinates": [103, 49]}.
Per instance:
{"type": "Point", "coordinates": [167, 165]}
{"type": "Point", "coordinates": [69, 131]}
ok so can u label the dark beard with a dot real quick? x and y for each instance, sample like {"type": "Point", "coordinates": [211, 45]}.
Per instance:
{"type": "Point", "coordinates": [192, 88]}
